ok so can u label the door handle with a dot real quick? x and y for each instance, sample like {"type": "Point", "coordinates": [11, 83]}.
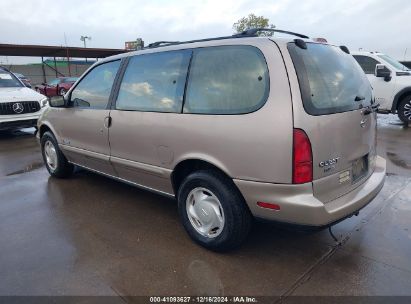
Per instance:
{"type": "Point", "coordinates": [107, 122]}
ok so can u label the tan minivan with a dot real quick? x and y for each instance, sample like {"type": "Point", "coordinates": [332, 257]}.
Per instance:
{"type": "Point", "coordinates": [237, 127]}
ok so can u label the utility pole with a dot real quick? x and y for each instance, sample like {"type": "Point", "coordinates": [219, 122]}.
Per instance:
{"type": "Point", "coordinates": [67, 53]}
{"type": "Point", "coordinates": [84, 38]}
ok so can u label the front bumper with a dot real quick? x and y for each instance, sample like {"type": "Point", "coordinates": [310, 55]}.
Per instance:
{"type": "Point", "coordinates": [300, 207]}
{"type": "Point", "coordinates": [15, 121]}
{"type": "Point", "coordinates": [23, 122]}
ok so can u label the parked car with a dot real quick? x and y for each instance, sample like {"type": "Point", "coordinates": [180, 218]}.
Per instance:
{"type": "Point", "coordinates": [391, 81]}
{"type": "Point", "coordinates": [25, 80]}
{"type": "Point", "coordinates": [20, 106]}
{"type": "Point", "coordinates": [56, 87]}
{"type": "Point", "coordinates": [233, 127]}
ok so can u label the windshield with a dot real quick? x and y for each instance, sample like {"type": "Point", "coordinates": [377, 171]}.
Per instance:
{"type": "Point", "coordinates": [331, 81]}
{"type": "Point", "coordinates": [54, 82]}
{"type": "Point", "coordinates": [8, 80]}
{"type": "Point", "coordinates": [396, 64]}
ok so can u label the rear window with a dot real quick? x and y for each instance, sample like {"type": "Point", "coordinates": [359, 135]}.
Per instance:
{"type": "Point", "coordinates": [368, 64]}
{"type": "Point", "coordinates": [330, 80]}
{"type": "Point", "coordinates": [227, 80]}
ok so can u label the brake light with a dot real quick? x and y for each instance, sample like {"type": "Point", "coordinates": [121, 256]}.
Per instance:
{"type": "Point", "coordinates": [302, 158]}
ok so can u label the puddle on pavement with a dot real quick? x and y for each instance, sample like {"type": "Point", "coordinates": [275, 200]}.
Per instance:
{"type": "Point", "coordinates": [390, 174]}
{"type": "Point", "coordinates": [390, 120]}
{"type": "Point", "coordinates": [394, 158]}
{"type": "Point", "coordinates": [28, 168]}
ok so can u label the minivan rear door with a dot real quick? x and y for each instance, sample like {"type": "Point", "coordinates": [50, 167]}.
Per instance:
{"type": "Point", "coordinates": [336, 110]}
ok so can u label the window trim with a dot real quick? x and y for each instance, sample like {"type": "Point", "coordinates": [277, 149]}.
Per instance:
{"type": "Point", "coordinates": [126, 60]}
{"type": "Point", "coordinates": [69, 101]}
{"type": "Point", "coordinates": [378, 62]}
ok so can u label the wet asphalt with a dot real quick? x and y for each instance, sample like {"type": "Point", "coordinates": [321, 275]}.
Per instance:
{"type": "Point", "coordinates": [90, 235]}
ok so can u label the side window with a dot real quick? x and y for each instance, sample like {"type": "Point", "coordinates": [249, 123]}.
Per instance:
{"type": "Point", "coordinates": [227, 80]}
{"type": "Point", "coordinates": [154, 82]}
{"type": "Point", "coordinates": [367, 63]}
{"type": "Point", "coordinates": [93, 91]}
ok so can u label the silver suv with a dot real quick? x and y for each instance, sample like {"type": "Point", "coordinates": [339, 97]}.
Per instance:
{"type": "Point", "coordinates": [235, 127]}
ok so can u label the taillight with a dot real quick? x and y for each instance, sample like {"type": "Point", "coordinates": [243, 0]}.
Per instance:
{"type": "Point", "coordinates": [302, 158]}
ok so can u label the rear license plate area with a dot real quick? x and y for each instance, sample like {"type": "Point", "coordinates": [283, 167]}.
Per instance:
{"type": "Point", "coordinates": [359, 168]}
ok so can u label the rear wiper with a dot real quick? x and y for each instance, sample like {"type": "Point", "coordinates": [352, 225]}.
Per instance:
{"type": "Point", "coordinates": [359, 98]}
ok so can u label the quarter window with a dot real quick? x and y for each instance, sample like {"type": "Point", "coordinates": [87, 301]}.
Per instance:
{"type": "Point", "coordinates": [227, 80]}
{"type": "Point", "coordinates": [93, 91]}
{"type": "Point", "coordinates": [367, 63]}
{"type": "Point", "coordinates": [154, 82]}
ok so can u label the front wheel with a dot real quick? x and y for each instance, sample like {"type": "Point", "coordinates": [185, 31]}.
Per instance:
{"type": "Point", "coordinates": [55, 161]}
{"type": "Point", "coordinates": [404, 110]}
{"type": "Point", "coordinates": [213, 211]}
{"type": "Point", "coordinates": [62, 91]}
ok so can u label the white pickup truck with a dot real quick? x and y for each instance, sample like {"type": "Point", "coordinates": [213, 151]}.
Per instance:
{"type": "Point", "coordinates": [391, 82]}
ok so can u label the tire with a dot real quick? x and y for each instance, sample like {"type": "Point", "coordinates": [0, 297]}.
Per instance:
{"type": "Point", "coordinates": [56, 164]}
{"type": "Point", "coordinates": [404, 110]}
{"type": "Point", "coordinates": [62, 91]}
{"type": "Point", "coordinates": [228, 209]}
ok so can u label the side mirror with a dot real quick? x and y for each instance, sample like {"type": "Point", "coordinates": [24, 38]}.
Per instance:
{"type": "Point", "coordinates": [58, 102]}
{"type": "Point", "coordinates": [382, 71]}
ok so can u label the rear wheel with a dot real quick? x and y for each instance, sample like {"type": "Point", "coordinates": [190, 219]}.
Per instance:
{"type": "Point", "coordinates": [56, 163]}
{"type": "Point", "coordinates": [213, 211]}
{"type": "Point", "coordinates": [62, 91]}
{"type": "Point", "coordinates": [404, 110]}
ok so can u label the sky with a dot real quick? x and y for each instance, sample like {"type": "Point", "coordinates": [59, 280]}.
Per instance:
{"type": "Point", "coordinates": [375, 25]}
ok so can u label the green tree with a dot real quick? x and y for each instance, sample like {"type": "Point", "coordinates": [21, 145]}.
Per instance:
{"type": "Point", "coordinates": [253, 21]}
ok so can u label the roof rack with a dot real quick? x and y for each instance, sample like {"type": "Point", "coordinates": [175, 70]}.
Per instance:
{"type": "Point", "coordinates": [253, 32]}
{"type": "Point", "coordinates": [159, 43]}
{"type": "Point", "coordinates": [165, 43]}
{"type": "Point", "coordinates": [247, 33]}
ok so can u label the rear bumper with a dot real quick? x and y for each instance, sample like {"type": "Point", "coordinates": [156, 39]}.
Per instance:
{"type": "Point", "coordinates": [300, 207]}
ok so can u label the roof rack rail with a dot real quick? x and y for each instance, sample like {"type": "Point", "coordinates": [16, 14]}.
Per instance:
{"type": "Point", "coordinates": [168, 43]}
{"type": "Point", "coordinates": [159, 43]}
{"type": "Point", "coordinates": [248, 33]}
{"type": "Point", "coordinates": [253, 32]}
